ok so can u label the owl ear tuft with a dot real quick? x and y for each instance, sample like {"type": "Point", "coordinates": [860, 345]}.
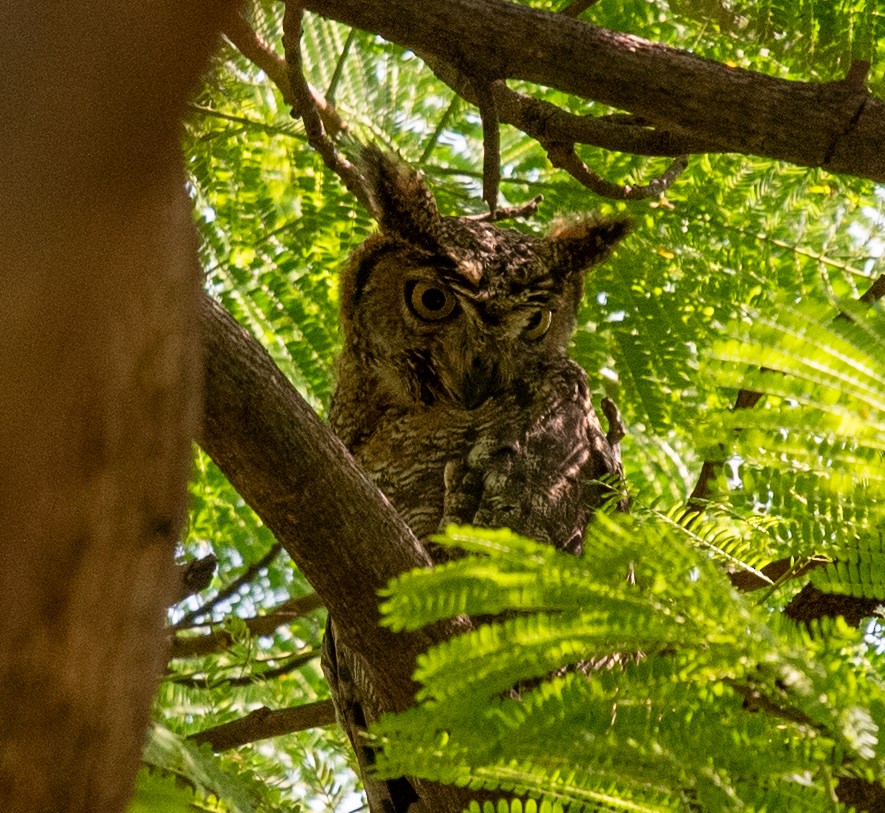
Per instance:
{"type": "Point", "coordinates": [575, 245]}
{"type": "Point", "coordinates": [404, 205]}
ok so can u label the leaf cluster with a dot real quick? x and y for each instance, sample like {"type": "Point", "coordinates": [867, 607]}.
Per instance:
{"type": "Point", "coordinates": [633, 678]}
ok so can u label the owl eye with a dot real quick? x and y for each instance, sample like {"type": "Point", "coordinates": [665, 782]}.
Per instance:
{"type": "Point", "coordinates": [538, 324]}
{"type": "Point", "coordinates": [429, 302]}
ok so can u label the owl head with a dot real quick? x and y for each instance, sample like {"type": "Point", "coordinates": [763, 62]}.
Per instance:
{"type": "Point", "coordinates": [453, 310]}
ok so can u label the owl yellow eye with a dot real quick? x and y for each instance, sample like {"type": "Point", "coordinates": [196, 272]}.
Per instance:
{"type": "Point", "coordinates": [430, 302]}
{"type": "Point", "coordinates": [538, 324]}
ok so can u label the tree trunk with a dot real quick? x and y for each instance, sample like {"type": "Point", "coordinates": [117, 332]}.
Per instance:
{"type": "Point", "coordinates": [99, 383]}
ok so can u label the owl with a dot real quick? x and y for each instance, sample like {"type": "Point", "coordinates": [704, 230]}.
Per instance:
{"type": "Point", "coordinates": [456, 394]}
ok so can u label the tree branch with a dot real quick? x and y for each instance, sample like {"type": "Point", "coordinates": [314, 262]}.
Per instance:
{"type": "Point", "coordinates": [336, 525]}
{"type": "Point", "coordinates": [811, 604]}
{"type": "Point", "coordinates": [508, 212]}
{"type": "Point", "coordinates": [340, 530]}
{"type": "Point", "coordinates": [264, 723]}
{"type": "Point", "coordinates": [546, 122]}
{"type": "Point", "coordinates": [305, 108]}
{"type": "Point", "coordinates": [218, 640]}
{"type": "Point", "coordinates": [491, 143]}
{"type": "Point", "coordinates": [203, 680]}
{"type": "Point", "coordinates": [565, 157]}
{"type": "Point", "coordinates": [257, 51]}
{"type": "Point", "coordinates": [244, 578]}
{"type": "Point", "coordinates": [834, 125]}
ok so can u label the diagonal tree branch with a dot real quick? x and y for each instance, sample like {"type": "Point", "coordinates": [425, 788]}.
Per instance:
{"type": "Point", "coordinates": [340, 530]}
{"type": "Point", "coordinates": [263, 56]}
{"type": "Point", "coordinates": [834, 125]}
{"type": "Point", "coordinates": [228, 590]}
{"type": "Point", "coordinates": [305, 107]}
{"type": "Point", "coordinates": [203, 680]}
{"type": "Point", "coordinates": [193, 646]}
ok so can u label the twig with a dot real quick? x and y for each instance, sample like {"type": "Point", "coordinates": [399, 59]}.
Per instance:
{"type": "Point", "coordinates": [339, 65]}
{"type": "Point", "coordinates": [508, 212]}
{"type": "Point", "coordinates": [577, 7]}
{"type": "Point", "coordinates": [194, 646]}
{"type": "Point", "coordinates": [244, 578]}
{"type": "Point", "coordinates": [564, 157]}
{"type": "Point", "coordinates": [874, 293]}
{"type": "Point", "coordinates": [260, 54]}
{"type": "Point", "coordinates": [857, 74]}
{"type": "Point", "coordinates": [755, 700]}
{"type": "Point", "coordinates": [306, 109]}
{"type": "Point", "coordinates": [295, 662]}
{"type": "Point", "coordinates": [440, 127]}
{"type": "Point", "coordinates": [491, 143]}
{"type": "Point", "coordinates": [264, 723]}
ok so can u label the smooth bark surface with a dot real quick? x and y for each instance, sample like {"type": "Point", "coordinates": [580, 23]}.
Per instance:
{"type": "Point", "coordinates": [99, 383]}
{"type": "Point", "coordinates": [837, 125]}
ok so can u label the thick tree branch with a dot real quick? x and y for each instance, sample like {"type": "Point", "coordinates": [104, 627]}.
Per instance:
{"type": "Point", "coordinates": [548, 123]}
{"type": "Point", "coordinates": [264, 723]}
{"type": "Point", "coordinates": [341, 531]}
{"type": "Point", "coordinates": [834, 125]}
{"type": "Point", "coordinates": [336, 525]}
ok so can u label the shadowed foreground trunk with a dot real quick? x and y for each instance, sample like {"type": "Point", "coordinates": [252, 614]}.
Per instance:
{"type": "Point", "coordinates": [99, 383]}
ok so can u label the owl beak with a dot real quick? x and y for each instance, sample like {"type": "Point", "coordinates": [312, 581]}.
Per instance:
{"type": "Point", "coordinates": [481, 380]}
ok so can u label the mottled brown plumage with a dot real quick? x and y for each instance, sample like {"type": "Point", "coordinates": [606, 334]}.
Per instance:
{"type": "Point", "coordinates": [455, 363]}
{"type": "Point", "coordinates": [455, 391]}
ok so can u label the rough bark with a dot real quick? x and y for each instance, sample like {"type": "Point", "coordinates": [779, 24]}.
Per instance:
{"type": "Point", "coordinates": [337, 526]}
{"type": "Point", "coordinates": [835, 125]}
{"type": "Point", "coordinates": [98, 383]}
{"type": "Point", "coordinates": [284, 461]}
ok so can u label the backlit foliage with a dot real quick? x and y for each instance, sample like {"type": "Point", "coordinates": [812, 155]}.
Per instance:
{"type": "Point", "coordinates": [702, 698]}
